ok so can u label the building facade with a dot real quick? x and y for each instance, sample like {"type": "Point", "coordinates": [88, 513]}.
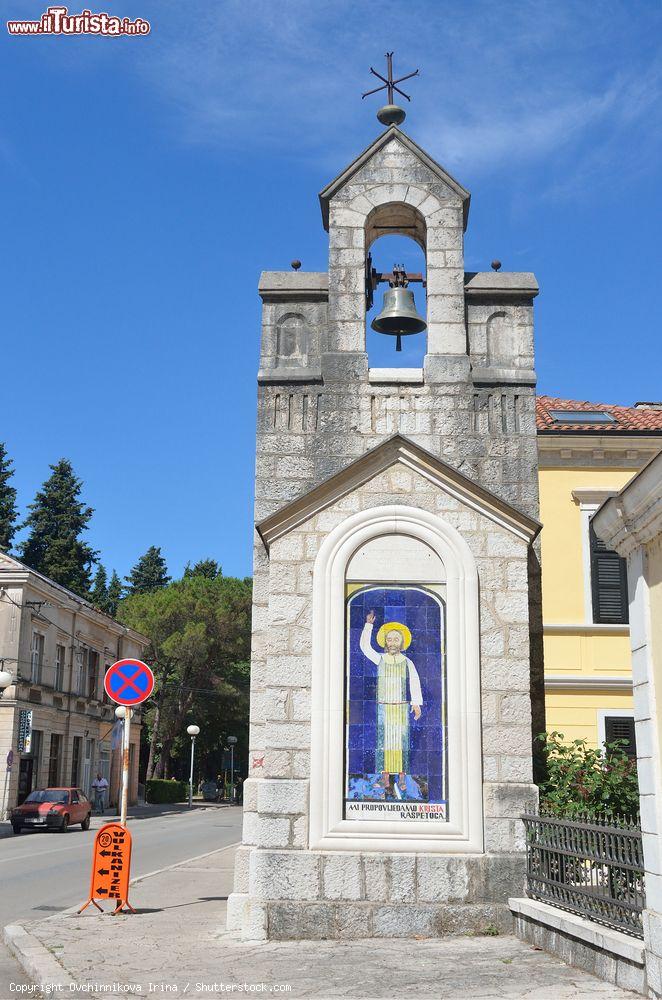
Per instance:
{"type": "Point", "coordinates": [587, 453]}
{"type": "Point", "coordinates": [56, 722]}
{"type": "Point", "coordinates": [396, 618]}
{"type": "Point", "coordinates": [630, 523]}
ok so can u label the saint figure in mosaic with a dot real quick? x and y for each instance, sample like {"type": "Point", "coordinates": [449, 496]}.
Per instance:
{"type": "Point", "coordinates": [398, 696]}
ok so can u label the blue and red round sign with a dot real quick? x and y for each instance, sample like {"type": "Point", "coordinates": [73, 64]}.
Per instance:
{"type": "Point", "coordinates": [128, 682]}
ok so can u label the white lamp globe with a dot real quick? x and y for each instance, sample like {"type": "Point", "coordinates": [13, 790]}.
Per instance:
{"type": "Point", "coordinates": [6, 679]}
{"type": "Point", "coordinates": [193, 730]}
{"type": "Point", "coordinates": [120, 712]}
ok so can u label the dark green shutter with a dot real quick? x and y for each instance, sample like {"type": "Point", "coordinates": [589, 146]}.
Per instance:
{"type": "Point", "coordinates": [609, 584]}
{"type": "Point", "coordinates": [619, 727]}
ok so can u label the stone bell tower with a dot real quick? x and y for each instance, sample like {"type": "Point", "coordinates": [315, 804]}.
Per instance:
{"type": "Point", "coordinates": [395, 514]}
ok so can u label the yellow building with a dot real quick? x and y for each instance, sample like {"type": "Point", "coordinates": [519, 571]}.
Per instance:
{"type": "Point", "coordinates": [587, 453]}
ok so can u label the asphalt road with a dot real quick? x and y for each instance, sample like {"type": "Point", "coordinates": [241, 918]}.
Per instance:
{"type": "Point", "coordinates": [42, 872]}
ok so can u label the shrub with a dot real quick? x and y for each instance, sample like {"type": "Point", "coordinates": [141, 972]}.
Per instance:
{"type": "Point", "coordinates": [158, 790]}
{"type": "Point", "coordinates": [586, 781]}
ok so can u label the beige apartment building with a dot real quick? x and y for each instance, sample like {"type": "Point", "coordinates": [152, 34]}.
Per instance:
{"type": "Point", "coordinates": [56, 722]}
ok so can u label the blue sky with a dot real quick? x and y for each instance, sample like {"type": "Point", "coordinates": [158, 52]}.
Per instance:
{"type": "Point", "coordinates": [149, 180]}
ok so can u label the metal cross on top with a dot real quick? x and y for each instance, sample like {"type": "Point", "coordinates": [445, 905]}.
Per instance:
{"type": "Point", "coordinates": [390, 114]}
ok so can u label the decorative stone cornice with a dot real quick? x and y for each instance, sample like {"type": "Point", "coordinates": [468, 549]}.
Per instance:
{"type": "Point", "coordinates": [577, 681]}
{"type": "Point", "coordinates": [590, 496]}
{"type": "Point", "coordinates": [622, 450]}
{"type": "Point", "coordinates": [633, 517]}
{"type": "Point", "coordinates": [502, 285]}
{"type": "Point", "coordinates": [291, 286]}
{"type": "Point", "coordinates": [15, 574]}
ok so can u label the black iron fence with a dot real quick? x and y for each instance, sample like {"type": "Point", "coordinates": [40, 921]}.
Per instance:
{"type": "Point", "coordinates": [592, 868]}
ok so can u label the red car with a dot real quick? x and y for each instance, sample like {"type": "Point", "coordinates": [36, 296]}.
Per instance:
{"type": "Point", "coordinates": [52, 809]}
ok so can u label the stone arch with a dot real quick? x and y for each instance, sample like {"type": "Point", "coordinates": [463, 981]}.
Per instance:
{"type": "Point", "coordinates": [328, 828]}
{"type": "Point", "coordinates": [395, 217]}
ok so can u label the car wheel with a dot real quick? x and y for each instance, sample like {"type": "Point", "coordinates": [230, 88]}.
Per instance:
{"type": "Point", "coordinates": [85, 825]}
{"type": "Point", "coordinates": [65, 824]}
{"type": "Point", "coordinates": [16, 827]}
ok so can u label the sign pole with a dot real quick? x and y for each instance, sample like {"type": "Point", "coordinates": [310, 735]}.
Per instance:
{"type": "Point", "coordinates": [125, 764]}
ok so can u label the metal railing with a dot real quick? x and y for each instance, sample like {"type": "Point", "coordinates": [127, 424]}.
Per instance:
{"type": "Point", "coordinates": [592, 868]}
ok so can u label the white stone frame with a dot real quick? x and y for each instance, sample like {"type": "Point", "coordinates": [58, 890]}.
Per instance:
{"type": "Point", "coordinates": [328, 829]}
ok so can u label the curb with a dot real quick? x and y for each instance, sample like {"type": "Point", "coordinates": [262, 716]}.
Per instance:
{"type": "Point", "coordinates": [41, 966]}
{"type": "Point", "coordinates": [38, 963]}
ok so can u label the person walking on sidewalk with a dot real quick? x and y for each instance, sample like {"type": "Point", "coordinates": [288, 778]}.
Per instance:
{"type": "Point", "coordinates": [99, 788]}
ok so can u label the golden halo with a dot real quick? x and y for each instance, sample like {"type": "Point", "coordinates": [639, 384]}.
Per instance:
{"type": "Point", "coordinates": [393, 627]}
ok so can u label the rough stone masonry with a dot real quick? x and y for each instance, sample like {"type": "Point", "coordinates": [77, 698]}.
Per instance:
{"type": "Point", "coordinates": [336, 439]}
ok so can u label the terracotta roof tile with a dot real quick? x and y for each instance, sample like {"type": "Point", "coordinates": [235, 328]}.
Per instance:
{"type": "Point", "coordinates": [627, 419]}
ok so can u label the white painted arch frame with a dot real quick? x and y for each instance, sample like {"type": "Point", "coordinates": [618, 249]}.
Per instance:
{"type": "Point", "coordinates": [328, 829]}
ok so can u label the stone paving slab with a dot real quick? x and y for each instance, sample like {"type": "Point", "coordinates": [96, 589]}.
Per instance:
{"type": "Point", "coordinates": [178, 939]}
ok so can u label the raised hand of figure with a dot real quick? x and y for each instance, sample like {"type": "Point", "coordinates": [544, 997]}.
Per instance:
{"type": "Point", "coordinates": [416, 711]}
{"type": "Point", "coordinates": [370, 618]}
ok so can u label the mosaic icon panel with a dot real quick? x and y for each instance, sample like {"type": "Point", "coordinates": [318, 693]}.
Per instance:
{"type": "Point", "coordinates": [395, 703]}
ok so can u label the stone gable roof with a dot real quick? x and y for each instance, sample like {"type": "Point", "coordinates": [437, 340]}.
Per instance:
{"type": "Point", "coordinates": [396, 449]}
{"type": "Point", "coordinates": [382, 140]}
{"type": "Point", "coordinates": [627, 419]}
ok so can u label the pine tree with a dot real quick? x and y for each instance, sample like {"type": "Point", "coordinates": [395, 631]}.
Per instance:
{"type": "Point", "coordinates": [150, 573]}
{"type": "Point", "coordinates": [114, 594]}
{"type": "Point", "coordinates": [205, 567]}
{"type": "Point", "coordinates": [8, 511]}
{"type": "Point", "coordinates": [99, 591]}
{"type": "Point", "coordinates": [56, 520]}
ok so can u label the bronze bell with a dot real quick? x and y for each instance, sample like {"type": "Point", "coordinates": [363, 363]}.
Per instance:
{"type": "Point", "coordinates": [398, 317]}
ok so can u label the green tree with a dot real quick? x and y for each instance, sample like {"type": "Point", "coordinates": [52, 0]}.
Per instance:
{"type": "Point", "coordinates": [99, 591]}
{"type": "Point", "coordinates": [199, 631]}
{"type": "Point", "coordinates": [8, 510]}
{"type": "Point", "coordinates": [114, 594]}
{"type": "Point", "coordinates": [588, 781]}
{"type": "Point", "coordinates": [150, 573]}
{"type": "Point", "coordinates": [205, 567]}
{"type": "Point", "coordinates": [56, 521]}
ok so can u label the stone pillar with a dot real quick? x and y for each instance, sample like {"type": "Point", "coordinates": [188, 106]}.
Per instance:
{"type": "Point", "coordinates": [631, 524]}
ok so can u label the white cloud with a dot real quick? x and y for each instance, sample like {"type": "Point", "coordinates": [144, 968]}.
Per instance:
{"type": "Point", "coordinates": [504, 85]}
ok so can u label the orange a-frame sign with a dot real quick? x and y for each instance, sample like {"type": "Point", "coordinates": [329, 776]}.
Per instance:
{"type": "Point", "coordinates": [111, 867]}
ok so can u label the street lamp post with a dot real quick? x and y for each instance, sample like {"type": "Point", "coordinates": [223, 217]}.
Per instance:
{"type": "Point", "coordinates": [232, 740]}
{"type": "Point", "coordinates": [193, 732]}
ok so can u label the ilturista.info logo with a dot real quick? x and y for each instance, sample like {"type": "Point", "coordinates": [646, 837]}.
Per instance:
{"type": "Point", "coordinates": [58, 21]}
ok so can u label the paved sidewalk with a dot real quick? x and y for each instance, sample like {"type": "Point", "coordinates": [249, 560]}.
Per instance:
{"type": "Point", "coordinates": [178, 939]}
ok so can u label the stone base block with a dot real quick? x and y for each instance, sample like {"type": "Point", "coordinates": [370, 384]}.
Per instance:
{"type": "Point", "coordinates": [607, 954]}
{"type": "Point", "coordinates": [653, 939]}
{"type": "Point", "coordinates": [236, 911]}
{"type": "Point", "coordinates": [305, 921]}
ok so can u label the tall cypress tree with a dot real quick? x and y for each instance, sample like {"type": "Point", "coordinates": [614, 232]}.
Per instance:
{"type": "Point", "coordinates": [114, 595]}
{"type": "Point", "coordinates": [99, 591]}
{"type": "Point", "coordinates": [150, 573]}
{"type": "Point", "coordinates": [56, 520]}
{"type": "Point", "coordinates": [8, 510]}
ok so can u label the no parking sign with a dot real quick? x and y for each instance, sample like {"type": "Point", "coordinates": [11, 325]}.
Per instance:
{"type": "Point", "coordinates": [128, 682]}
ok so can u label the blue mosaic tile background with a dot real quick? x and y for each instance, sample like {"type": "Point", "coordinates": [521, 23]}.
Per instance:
{"type": "Point", "coordinates": [422, 614]}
